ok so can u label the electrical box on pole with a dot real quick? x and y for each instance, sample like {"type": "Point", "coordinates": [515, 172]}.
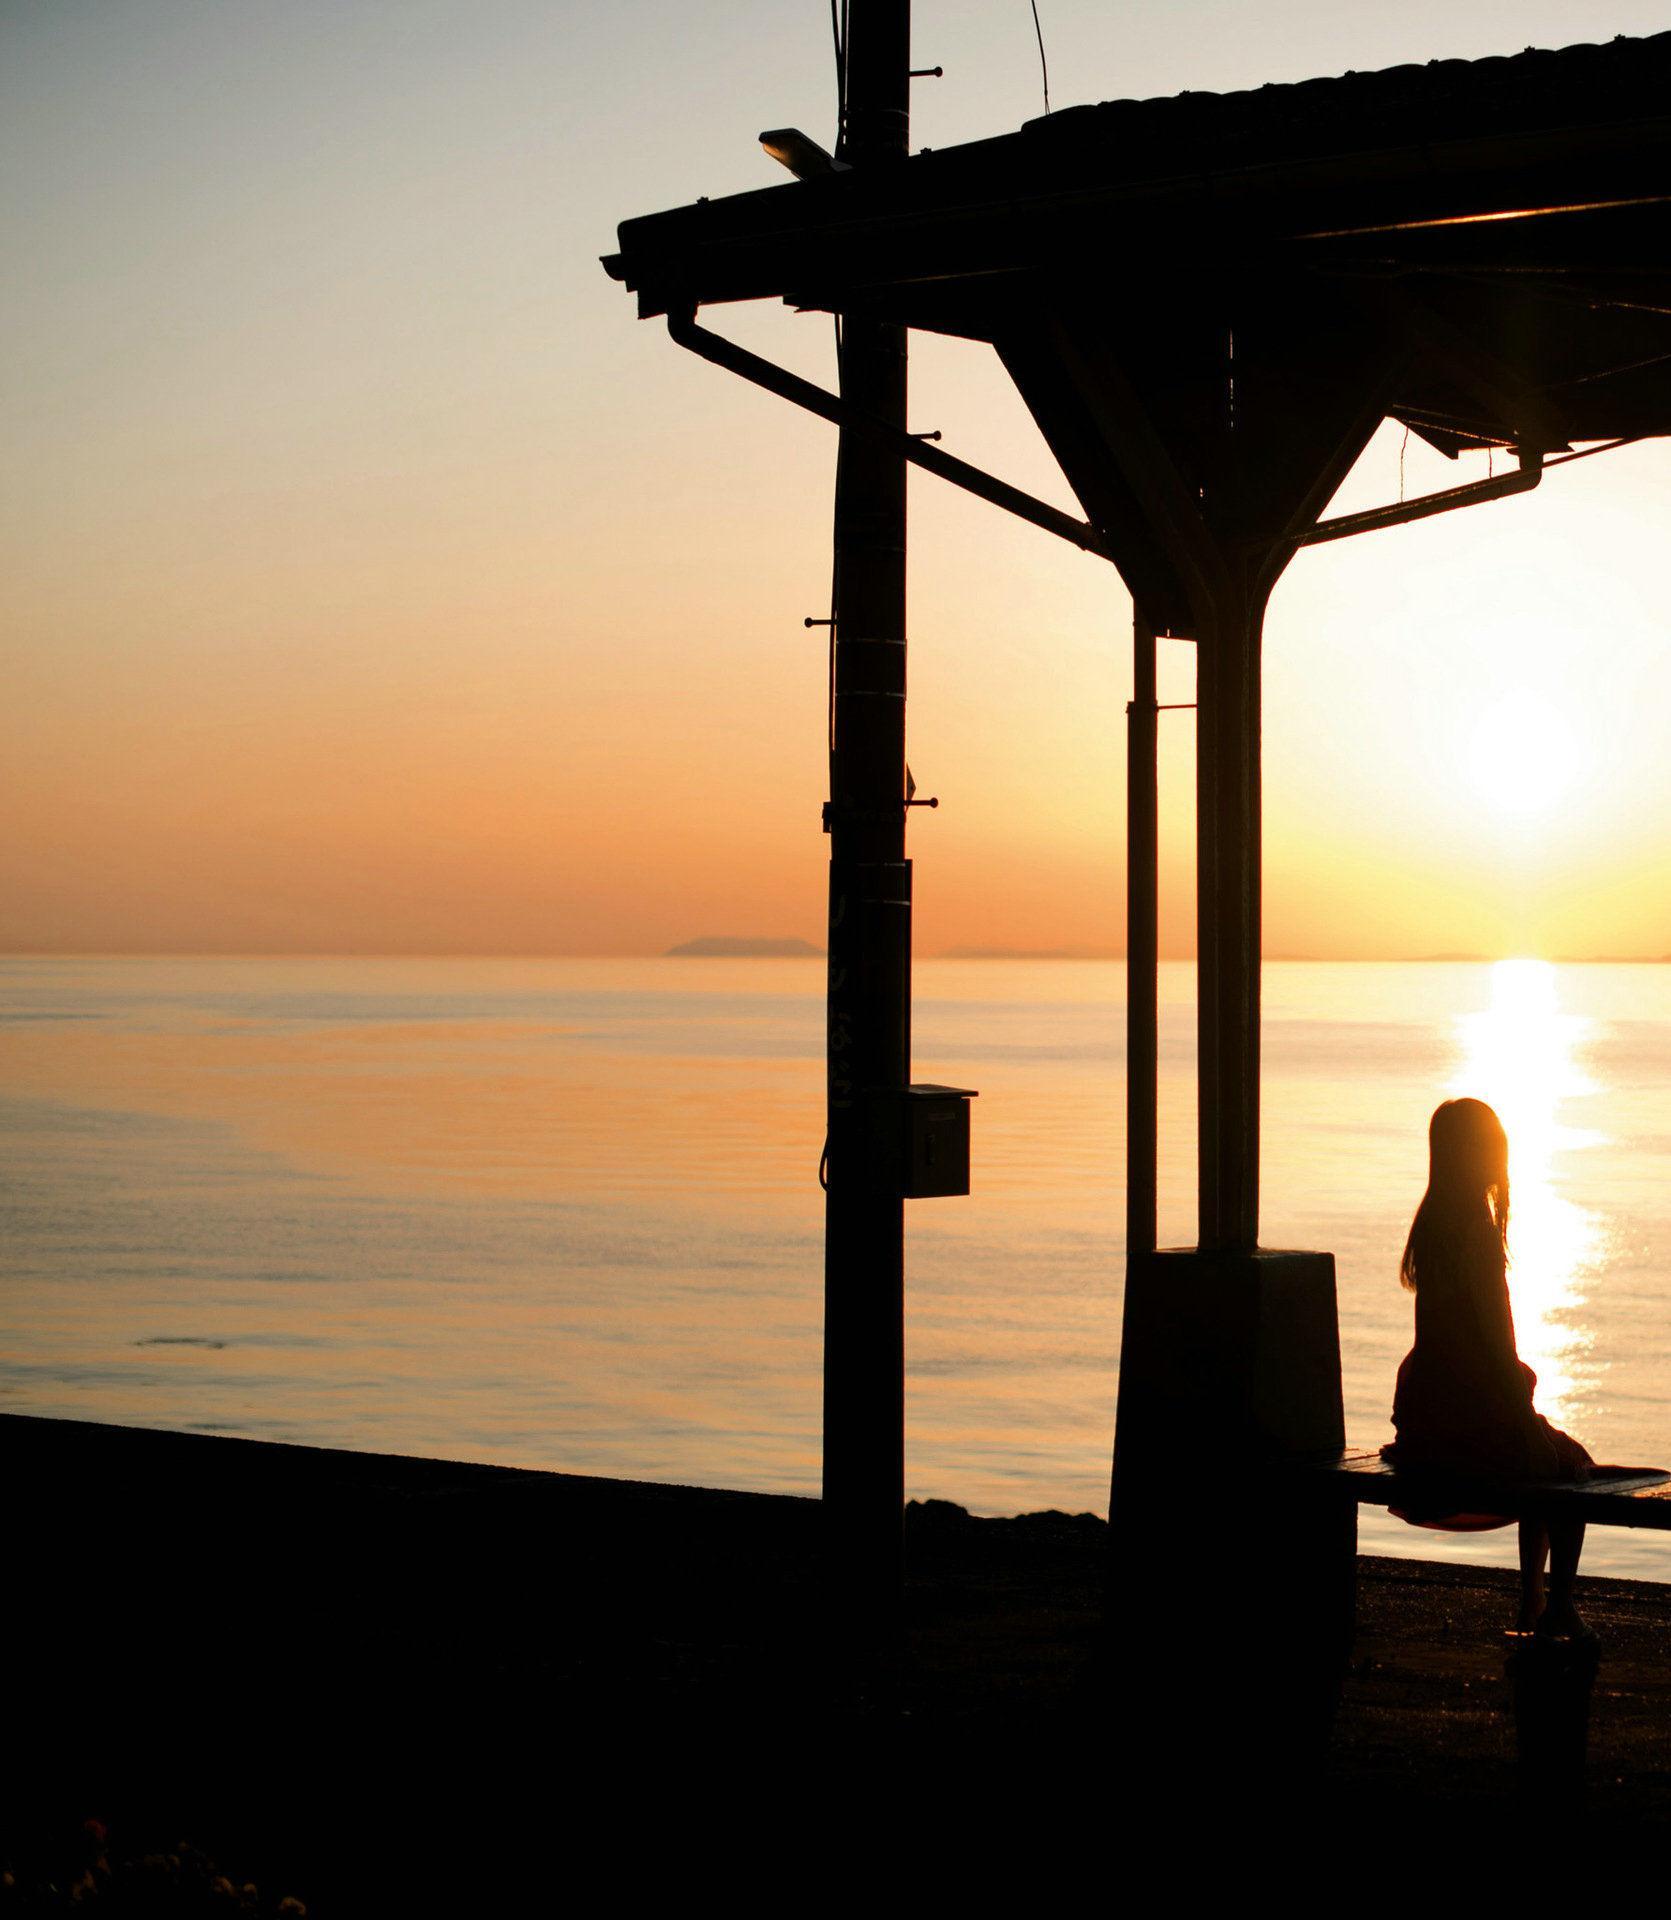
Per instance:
{"type": "Point", "coordinates": [919, 1137]}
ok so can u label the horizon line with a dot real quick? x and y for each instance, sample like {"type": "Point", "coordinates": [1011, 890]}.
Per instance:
{"type": "Point", "coordinates": [945, 953]}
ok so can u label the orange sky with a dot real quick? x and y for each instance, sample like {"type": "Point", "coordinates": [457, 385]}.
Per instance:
{"type": "Point", "coordinates": [371, 580]}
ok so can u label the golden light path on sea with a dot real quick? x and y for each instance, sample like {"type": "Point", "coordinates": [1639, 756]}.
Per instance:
{"type": "Point", "coordinates": [1521, 1053]}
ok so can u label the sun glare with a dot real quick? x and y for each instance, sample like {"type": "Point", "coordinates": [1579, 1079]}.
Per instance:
{"type": "Point", "coordinates": [1520, 1054]}
{"type": "Point", "coordinates": [1522, 756]}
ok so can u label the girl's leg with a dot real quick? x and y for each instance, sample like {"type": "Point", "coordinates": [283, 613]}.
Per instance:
{"type": "Point", "coordinates": [1566, 1539]}
{"type": "Point", "coordinates": [1534, 1549]}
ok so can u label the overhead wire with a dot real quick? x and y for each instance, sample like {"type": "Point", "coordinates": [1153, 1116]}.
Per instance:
{"type": "Point", "coordinates": [1583, 453]}
{"type": "Point", "coordinates": [1044, 68]}
{"type": "Point", "coordinates": [1607, 373]}
{"type": "Point", "coordinates": [835, 587]}
{"type": "Point", "coordinates": [838, 32]}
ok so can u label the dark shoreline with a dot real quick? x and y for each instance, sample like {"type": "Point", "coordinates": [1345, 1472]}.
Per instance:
{"type": "Point", "coordinates": [268, 1646]}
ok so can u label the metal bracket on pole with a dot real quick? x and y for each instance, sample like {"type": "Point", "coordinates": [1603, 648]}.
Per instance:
{"type": "Point", "coordinates": [828, 406]}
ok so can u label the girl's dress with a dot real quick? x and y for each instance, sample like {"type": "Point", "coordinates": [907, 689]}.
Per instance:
{"type": "Point", "coordinates": [1464, 1396]}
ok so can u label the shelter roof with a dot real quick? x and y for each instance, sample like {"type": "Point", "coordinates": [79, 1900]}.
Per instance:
{"type": "Point", "coordinates": [1451, 139]}
{"type": "Point", "coordinates": [1531, 92]}
{"type": "Point", "coordinates": [1481, 249]}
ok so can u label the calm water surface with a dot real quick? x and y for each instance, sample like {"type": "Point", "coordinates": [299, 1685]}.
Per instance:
{"type": "Point", "coordinates": [566, 1213]}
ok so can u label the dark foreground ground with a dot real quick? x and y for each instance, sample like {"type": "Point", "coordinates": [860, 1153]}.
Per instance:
{"type": "Point", "coordinates": [375, 1685]}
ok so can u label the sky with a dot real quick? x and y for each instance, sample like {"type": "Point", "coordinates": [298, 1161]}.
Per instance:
{"type": "Point", "coordinates": [371, 580]}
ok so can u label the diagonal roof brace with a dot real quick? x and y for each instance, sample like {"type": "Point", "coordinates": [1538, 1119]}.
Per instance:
{"type": "Point", "coordinates": [1344, 525]}
{"type": "Point", "coordinates": [1533, 466]}
{"type": "Point", "coordinates": [828, 406]}
{"type": "Point", "coordinates": [682, 327]}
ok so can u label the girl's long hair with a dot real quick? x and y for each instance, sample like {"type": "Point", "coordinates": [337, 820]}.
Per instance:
{"type": "Point", "coordinates": [1467, 1190]}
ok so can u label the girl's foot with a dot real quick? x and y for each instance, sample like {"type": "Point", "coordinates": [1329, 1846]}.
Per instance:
{"type": "Point", "coordinates": [1530, 1617]}
{"type": "Point", "coordinates": [1562, 1621]}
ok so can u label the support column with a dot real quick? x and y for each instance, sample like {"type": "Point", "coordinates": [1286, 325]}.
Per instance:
{"type": "Point", "coordinates": [1142, 940]}
{"type": "Point", "coordinates": [869, 995]}
{"type": "Point", "coordinates": [1229, 1361]}
{"type": "Point", "coordinates": [1228, 830]}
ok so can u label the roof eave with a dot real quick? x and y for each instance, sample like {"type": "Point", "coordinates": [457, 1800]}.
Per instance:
{"type": "Point", "coordinates": [970, 211]}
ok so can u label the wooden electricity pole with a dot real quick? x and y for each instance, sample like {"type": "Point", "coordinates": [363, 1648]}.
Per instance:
{"type": "Point", "coordinates": [869, 1030]}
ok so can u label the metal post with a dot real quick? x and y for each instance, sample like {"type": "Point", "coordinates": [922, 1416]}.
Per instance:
{"type": "Point", "coordinates": [1142, 940]}
{"type": "Point", "coordinates": [869, 1032]}
{"type": "Point", "coordinates": [1228, 802]}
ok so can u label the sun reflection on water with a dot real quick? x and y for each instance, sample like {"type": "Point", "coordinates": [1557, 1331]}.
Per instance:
{"type": "Point", "coordinates": [1520, 1053]}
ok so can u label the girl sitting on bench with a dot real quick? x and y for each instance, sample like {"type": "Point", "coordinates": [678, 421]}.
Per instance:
{"type": "Point", "coordinates": [1464, 1396]}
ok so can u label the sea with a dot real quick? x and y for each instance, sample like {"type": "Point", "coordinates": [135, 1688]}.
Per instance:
{"type": "Point", "coordinates": [565, 1213]}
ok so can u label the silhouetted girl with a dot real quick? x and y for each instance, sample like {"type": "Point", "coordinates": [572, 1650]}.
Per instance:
{"type": "Point", "coordinates": [1464, 1397]}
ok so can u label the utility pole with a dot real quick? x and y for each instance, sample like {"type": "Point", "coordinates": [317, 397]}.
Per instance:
{"type": "Point", "coordinates": [869, 994]}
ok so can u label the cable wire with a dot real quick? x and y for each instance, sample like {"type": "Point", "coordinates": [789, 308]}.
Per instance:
{"type": "Point", "coordinates": [1044, 69]}
{"type": "Point", "coordinates": [1607, 373]}
{"type": "Point", "coordinates": [1584, 453]}
{"type": "Point", "coordinates": [835, 585]}
{"type": "Point", "coordinates": [838, 33]}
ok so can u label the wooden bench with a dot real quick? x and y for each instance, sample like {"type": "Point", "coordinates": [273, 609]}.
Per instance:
{"type": "Point", "coordinates": [1611, 1497]}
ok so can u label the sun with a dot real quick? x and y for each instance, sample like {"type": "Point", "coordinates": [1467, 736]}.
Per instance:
{"type": "Point", "coordinates": [1523, 756]}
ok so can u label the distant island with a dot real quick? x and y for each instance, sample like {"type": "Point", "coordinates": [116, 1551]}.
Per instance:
{"type": "Point", "coordinates": [731, 946]}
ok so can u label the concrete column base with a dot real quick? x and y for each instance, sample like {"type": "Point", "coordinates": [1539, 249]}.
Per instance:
{"type": "Point", "coordinates": [1231, 1589]}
